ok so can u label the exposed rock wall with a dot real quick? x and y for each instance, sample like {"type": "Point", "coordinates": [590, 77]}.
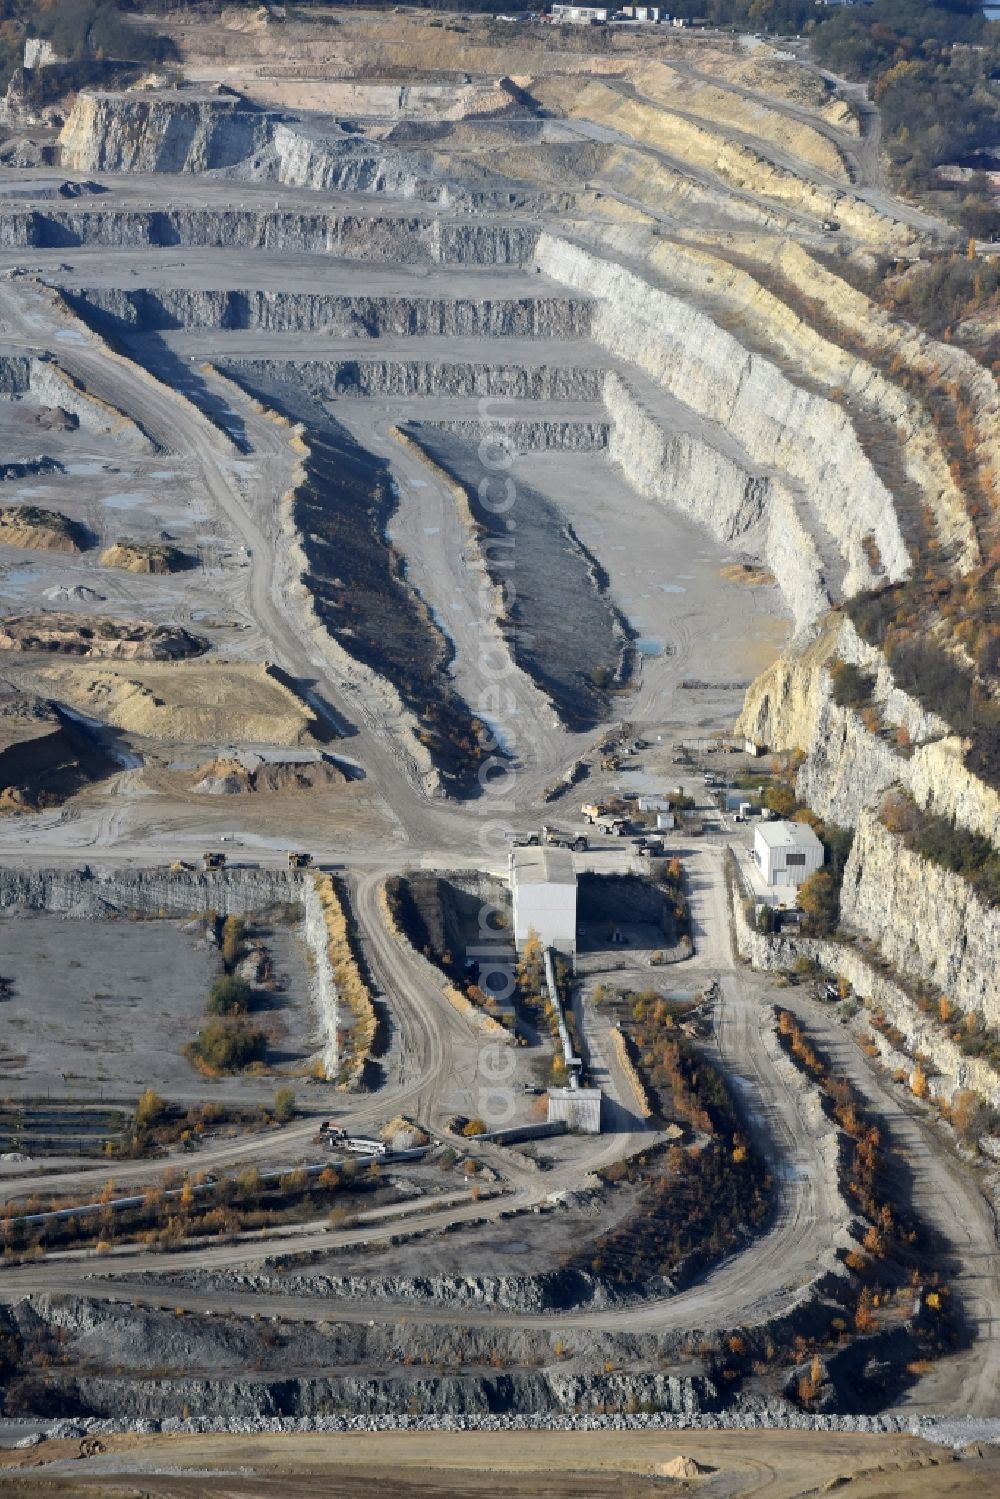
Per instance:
{"type": "Point", "coordinates": [737, 162]}
{"type": "Point", "coordinates": [541, 1391]}
{"type": "Point", "coordinates": [188, 132]}
{"type": "Point", "coordinates": [847, 765]}
{"type": "Point", "coordinates": [530, 435]}
{"type": "Point", "coordinates": [950, 1072]}
{"type": "Point", "coordinates": [947, 936]}
{"type": "Point", "coordinates": [42, 379]}
{"type": "Point", "coordinates": [399, 239]}
{"type": "Point", "coordinates": [93, 894]}
{"type": "Point", "coordinates": [798, 342]}
{"type": "Point", "coordinates": [346, 316]}
{"type": "Point", "coordinates": [754, 116]}
{"type": "Point", "coordinates": [780, 425]}
{"type": "Point", "coordinates": [926, 922]}
{"type": "Point", "coordinates": [883, 333]}
{"type": "Point", "coordinates": [423, 377]}
{"type": "Point", "coordinates": [137, 1339]}
{"type": "Point", "coordinates": [738, 505]}
{"type": "Point", "coordinates": [111, 132]}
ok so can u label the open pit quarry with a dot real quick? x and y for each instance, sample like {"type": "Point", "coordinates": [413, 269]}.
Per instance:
{"type": "Point", "coordinates": [415, 427]}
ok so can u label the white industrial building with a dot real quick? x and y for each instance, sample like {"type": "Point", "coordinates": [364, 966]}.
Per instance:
{"type": "Point", "coordinates": [580, 15]}
{"type": "Point", "coordinates": [786, 853]}
{"type": "Point", "coordinates": [543, 885]}
{"type": "Point", "coordinates": [577, 1108]}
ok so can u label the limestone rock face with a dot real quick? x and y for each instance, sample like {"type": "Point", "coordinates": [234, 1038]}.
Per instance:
{"type": "Point", "coordinates": [928, 922]}
{"type": "Point", "coordinates": [344, 316]}
{"type": "Point", "coordinates": [783, 706]}
{"type": "Point", "coordinates": [110, 132]}
{"type": "Point", "coordinates": [717, 485]}
{"type": "Point", "coordinates": [781, 427]}
{"type": "Point", "coordinates": [181, 131]}
{"type": "Point", "coordinates": [397, 238]}
{"type": "Point", "coordinates": [376, 376]}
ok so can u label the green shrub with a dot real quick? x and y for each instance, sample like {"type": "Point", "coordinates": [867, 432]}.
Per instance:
{"type": "Point", "coordinates": [228, 1046]}
{"type": "Point", "coordinates": [284, 1105]}
{"type": "Point", "coordinates": [229, 995]}
{"type": "Point", "coordinates": [233, 930]}
{"type": "Point", "coordinates": [852, 687]}
{"type": "Point", "coordinates": [150, 1110]}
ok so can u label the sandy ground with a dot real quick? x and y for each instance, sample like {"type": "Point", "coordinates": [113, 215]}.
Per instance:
{"type": "Point", "coordinates": [779, 1465]}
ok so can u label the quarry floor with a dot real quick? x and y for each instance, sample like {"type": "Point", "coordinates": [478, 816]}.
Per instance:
{"type": "Point", "coordinates": [100, 1009]}
{"type": "Point", "coordinates": [780, 1465]}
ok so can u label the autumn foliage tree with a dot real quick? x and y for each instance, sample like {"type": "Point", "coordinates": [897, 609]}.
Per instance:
{"type": "Point", "coordinates": [818, 899]}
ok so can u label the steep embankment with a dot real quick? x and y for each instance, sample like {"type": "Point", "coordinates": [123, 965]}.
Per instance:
{"type": "Point", "coordinates": [766, 294]}
{"type": "Point", "coordinates": [39, 378]}
{"type": "Point", "coordinates": [950, 938]}
{"type": "Point", "coordinates": [799, 449]}
{"type": "Point", "coordinates": [194, 132]}
{"type": "Point", "coordinates": [414, 316]}
{"type": "Point", "coordinates": [399, 238]}
{"type": "Point", "coordinates": [930, 944]}
{"type": "Point", "coordinates": [730, 155]}
{"type": "Point", "coordinates": [144, 132]}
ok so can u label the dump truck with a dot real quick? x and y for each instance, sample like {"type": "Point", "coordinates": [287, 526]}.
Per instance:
{"type": "Point", "coordinates": [593, 810]}
{"type": "Point", "coordinates": [650, 848]}
{"type": "Point", "coordinates": [555, 839]}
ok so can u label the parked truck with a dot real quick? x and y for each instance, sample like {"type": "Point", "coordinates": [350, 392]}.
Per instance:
{"type": "Point", "coordinates": [553, 838]}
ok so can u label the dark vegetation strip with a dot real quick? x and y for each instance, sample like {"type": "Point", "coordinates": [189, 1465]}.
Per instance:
{"type": "Point", "coordinates": [697, 1203]}
{"type": "Point", "coordinates": [357, 579]}
{"type": "Point", "coordinates": [562, 628]}
{"type": "Point", "coordinates": [895, 1244]}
